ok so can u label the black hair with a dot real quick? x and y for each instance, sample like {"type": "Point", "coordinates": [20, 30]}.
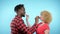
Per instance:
{"type": "Point", "coordinates": [17, 7]}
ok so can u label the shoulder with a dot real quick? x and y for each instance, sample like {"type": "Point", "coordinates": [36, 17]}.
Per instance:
{"type": "Point", "coordinates": [46, 26]}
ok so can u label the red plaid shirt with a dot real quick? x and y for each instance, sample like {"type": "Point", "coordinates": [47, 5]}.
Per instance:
{"type": "Point", "coordinates": [18, 27]}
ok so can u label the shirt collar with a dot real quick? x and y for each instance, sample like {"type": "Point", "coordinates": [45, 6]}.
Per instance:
{"type": "Point", "coordinates": [18, 17]}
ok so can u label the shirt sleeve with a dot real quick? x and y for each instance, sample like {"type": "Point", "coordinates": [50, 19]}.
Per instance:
{"type": "Point", "coordinates": [13, 28]}
{"type": "Point", "coordinates": [22, 27]}
{"type": "Point", "coordinates": [25, 29]}
{"type": "Point", "coordinates": [33, 28]}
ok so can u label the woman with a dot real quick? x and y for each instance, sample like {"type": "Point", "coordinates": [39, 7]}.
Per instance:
{"type": "Point", "coordinates": [43, 27]}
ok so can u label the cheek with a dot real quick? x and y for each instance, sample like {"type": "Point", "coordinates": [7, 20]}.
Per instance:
{"type": "Point", "coordinates": [43, 16]}
{"type": "Point", "coordinates": [21, 12]}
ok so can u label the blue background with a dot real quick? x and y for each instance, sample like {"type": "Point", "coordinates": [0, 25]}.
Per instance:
{"type": "Point", "coordinates": [33, 9]}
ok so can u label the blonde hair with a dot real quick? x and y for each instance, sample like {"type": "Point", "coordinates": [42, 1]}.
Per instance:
{"type": "Point", "coordinates": [46, 16]}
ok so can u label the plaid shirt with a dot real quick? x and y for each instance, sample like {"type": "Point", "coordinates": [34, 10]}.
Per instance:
{"type": "Point", "coordinates": [18, 27]}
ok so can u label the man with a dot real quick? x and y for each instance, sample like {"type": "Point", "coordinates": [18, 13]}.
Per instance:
{"type": "Point", "coordinates": [17, 24]}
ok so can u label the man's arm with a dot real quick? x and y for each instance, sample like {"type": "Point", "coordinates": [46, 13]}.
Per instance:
{"type": "Point", "coordinates": [25, 29]}
{"type": "Point", "coordinates": [33, 28]}
{"type": "Point", "coordinates": [22, 27]}
{"type": "Point", "coordinates": [13, 28]}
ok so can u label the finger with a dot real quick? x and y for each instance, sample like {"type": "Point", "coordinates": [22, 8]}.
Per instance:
{"type": "Point", "coordinates": [27, 15]}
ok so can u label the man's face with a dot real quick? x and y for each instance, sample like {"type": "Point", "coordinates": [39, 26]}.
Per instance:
{"type": "Point", "coordinates": [22, 12]}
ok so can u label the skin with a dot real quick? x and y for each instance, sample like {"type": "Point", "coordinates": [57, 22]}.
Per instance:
{"type": "Point", "coordinates": [28, 24]}
{"type": "Point", "coordinates": [21, 12]}
{"type": "Point", "coordinates": [46, 31]}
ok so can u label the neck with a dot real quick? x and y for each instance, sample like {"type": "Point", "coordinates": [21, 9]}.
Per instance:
{"type": "Point", "coordinates": [44, 23]}
{"type": "Point", "coordinates": [19, 15]}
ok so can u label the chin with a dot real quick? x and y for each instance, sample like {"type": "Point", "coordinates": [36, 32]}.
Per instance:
{"type": "Point", "coordinates": [23, 16]}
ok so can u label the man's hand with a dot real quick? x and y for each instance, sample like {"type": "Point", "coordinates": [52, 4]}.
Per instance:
{"type": "Point", "coordinates": [37, 19]}
{"type": "Point", "coordinates": [41, 18]}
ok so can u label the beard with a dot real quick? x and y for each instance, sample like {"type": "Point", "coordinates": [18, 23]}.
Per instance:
{"type": "Point", "coordinates": [22, 15]}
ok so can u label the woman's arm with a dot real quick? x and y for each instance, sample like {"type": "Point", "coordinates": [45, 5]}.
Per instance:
{"type": "Point", "coordinates": [28, 24]}
{"type": "Point", "coordinates": [46, 31]}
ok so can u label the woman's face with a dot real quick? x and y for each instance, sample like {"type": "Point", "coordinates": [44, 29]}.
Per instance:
{"type": "Point", "coordinates": [46, 16]}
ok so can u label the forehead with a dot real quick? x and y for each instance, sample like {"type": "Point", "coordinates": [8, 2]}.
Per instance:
{"type": "Point", "coordinates": [22, 9]}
